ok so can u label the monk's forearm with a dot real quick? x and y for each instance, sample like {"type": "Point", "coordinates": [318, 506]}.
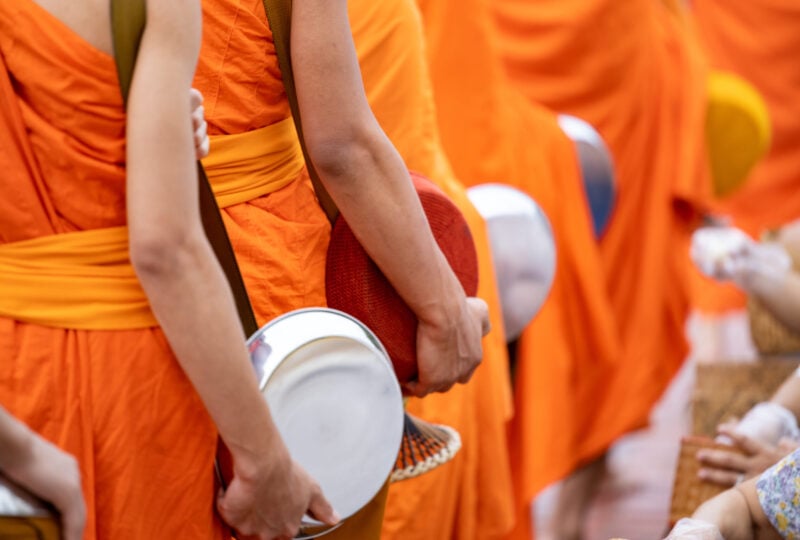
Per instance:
{"type": "Point", "coordinates": [358, 164]}
{"type": "Point", "coordinates": [15, 441]}
{"type": "Point", "coordinates": [191, 299]}
{"type": "Point", "coordinates": [371, 176]}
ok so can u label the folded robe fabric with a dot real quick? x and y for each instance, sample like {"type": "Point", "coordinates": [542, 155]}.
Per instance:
{"type": "Point", "coordinates": [567, 357]}
{"type": "Point", "coordinates": [635, 71]}
{"type": "Point", "coordinates": [470, 497]}
{"type": "Point", "coordinates": [759, 42]}
{"type": "Point", "coordinates": [115, 399]}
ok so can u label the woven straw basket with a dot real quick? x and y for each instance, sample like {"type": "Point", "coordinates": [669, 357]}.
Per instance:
{"type": "Point", "coordinates": [770, 336]}
{"type": "Point", "coordinates": [688, 491]}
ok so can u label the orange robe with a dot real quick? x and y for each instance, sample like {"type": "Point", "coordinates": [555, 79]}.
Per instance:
{"type": "Point", "coordinates": [634, 70]}
{"type": "Point", "coordinates": [471, 497]}
{"type": "Point", "coordinates": [116, 399]}
{"type": "Point", "coordinates": [281, 236]}
{"type": "Point", "coordinates": [567, 356]}
{"type": "Point", "coordinates": [759, 41]}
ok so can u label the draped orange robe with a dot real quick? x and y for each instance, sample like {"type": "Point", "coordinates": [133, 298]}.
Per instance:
{"type": "Point", "coordinates": [115, 399]}
{"type": "Point", "coordinates": [567, 356]}
{"type": "Point", "coordinates": [471, 497]}
{"type": "Point", "coordinates": [760, 42]}
{"type": "Point", "coordinates": [634, 70]}
{"type": "Point", "coordinates": [280, 238]}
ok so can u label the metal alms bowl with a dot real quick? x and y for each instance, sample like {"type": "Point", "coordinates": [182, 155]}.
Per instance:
{"type": "Point", "coordinates": [523, 250]}
{"type": "Point", "coordinates": [597, 169]}
{"type": "Point", "coordinates": [335, 401]}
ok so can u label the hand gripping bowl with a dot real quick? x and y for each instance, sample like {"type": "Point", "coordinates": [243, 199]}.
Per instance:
{"type": "Point", "coordinates": [523, 250]}
{"type": "Point", "coordinates": [335, 401]}
{"type": "Point", "coordinates": [25, 517]}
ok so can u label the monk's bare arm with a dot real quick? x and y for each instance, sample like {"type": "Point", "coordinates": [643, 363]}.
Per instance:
{"type": "Point", "coordinates": [186, 286]}
{"type": "Point", "coordinates": [174, 261]}
{"type": "Point", "coordinates": [370, 183]}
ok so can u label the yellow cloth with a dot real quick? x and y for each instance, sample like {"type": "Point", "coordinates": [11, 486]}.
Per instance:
{"type": "Point", "coordinates": [245, 166]}
{"type": "Point", "coordinates": [81, 280]}
{"type": "Point", "coordinates": [84, 280]}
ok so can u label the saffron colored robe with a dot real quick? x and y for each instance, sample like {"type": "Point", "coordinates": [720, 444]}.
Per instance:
{"type": "Point", "coordinates": [759, 41]}
{"type": "Point", "coordinates": [114, 398]}
{"type": "Point", "coordinates": [567, 357]}
{"type": "Point", "coordinates": [635, 71]}
{"type": "Point", "coordinates": [470, 497]}
{"type": "Point", "coordinates": [280, 236]}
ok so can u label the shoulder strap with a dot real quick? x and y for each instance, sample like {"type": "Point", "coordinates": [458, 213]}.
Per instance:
{"type": "Point", "coordinates": [128, 18]}
{"type": "Point", "coordinates": [279, 15]}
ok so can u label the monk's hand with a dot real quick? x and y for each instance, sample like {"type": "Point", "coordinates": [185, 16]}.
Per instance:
{"type": "Point", "coordinates": [728, 468]}
{"type": "Point", "coordinates": [269, 495]}
{"type": "Point", "coordinates": [53, 475]}
{"type": "Point", "coordinates": [199, 125]}
{"type": "Point", "coordinates": [449, 351]}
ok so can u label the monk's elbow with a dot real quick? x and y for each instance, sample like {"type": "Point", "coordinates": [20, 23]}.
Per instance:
{"type": "Point", "coordinates": [156, 254]}
{"type": "Point", "coordinates": [343, 158]}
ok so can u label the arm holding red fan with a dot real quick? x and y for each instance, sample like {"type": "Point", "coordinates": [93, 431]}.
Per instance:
{"type": "Point", "coordinates": [370, 184]}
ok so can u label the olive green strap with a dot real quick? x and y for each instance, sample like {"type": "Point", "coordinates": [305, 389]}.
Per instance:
{"type": "Point", "coordinates": [128, 18]}
{"type": "Point", "coordinates": [279, 15]}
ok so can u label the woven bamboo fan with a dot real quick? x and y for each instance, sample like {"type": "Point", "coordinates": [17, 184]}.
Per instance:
{"type": "Point", "coordinates": [688, 491]}
{"type": "Point", "coordinates": [425, 447]}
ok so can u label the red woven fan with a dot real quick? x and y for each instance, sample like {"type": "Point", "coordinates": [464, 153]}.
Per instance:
{"type": "Point", "coordinates": [356, 286]}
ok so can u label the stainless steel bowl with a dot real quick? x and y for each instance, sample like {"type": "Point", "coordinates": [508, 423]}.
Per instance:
{"type": "Point", "coordinates": [523, 250]}
{"type": "Point", "coordinates": [597, 169]}
{"type": "Point", "coordinates": [335, 400]}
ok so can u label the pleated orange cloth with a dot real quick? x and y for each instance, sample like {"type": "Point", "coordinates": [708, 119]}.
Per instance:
{"type": "Point", "coordinates": [635, 71]}
{"type": "Point", "coordinates": [281, 237]}
{"type": "Point", "coordinates": [471, 497]}
{"type": "Point", "coordinates": [116, 399]}
{"type": "Point", "coordinates": [759, 42]}
{"type": "Point", "coordinates": [567, 357]}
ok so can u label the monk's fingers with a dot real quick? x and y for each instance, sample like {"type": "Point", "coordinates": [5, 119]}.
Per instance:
{"type": "Point", "coordinates": [195, 98]}
{"type": "Point", "coordinates": [202, 143]}
{"type": "Point", "coordinates": [720, 477]}
{"type": "Point", "coordinates": [74, 520]}
{"type": "Point", "coordinates": [468, 375]}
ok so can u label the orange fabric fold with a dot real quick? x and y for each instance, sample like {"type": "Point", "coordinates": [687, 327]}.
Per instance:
{"type": "Point", "coordinates": [472, 496]}
{"type": "Point", "coordinates": [115, 399]}
{"type": "Point", "coordinates": [759, 42]}
{"type": "Point", "coordinates": [281, 238]}
{"type": "Point", "coordinates": [635, 71]}
{"type": "Point", "coordinates": [568, 356]}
